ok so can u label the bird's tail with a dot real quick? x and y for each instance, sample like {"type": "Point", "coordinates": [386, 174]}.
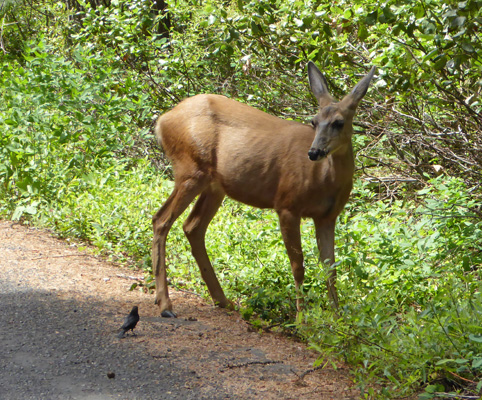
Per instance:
{"type": "Point", "coordinates": [121, 333]}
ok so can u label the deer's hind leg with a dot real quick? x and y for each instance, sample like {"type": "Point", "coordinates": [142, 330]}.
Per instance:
{"type": "Point", "coordinates": [195, 229]}
{"type": "Point", "coordinates": [185, 190]}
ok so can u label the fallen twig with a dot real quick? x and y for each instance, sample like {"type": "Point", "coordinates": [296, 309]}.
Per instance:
{"type": "Point", "coordinates": [456, 396]}
{"type": "Point", "coordinates": [230, 366]}
{"type": "Point", "coordinates": [134, 278]}
{"type": "Point", "coordinates": [302, 376]}
{"type": "Point", "coordinates": [62, 256]}
{"type": "Point", "coordinates": [264, 328]}
{"type": "Point", "coordinates": [462, 378]}
{"type": "Point", "coordinates": [185, 291]}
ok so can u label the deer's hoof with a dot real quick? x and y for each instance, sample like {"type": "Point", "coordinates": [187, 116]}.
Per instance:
{"type": "Point", "coordinates": [168, 314]}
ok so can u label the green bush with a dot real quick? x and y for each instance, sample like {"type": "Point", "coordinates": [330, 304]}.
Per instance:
{"type": "Point", "coordinates": [77, 154]}
{"type": "Point", "coordinates": [411, 292]}
{"type": "Point", "coordinates": [61, 120]}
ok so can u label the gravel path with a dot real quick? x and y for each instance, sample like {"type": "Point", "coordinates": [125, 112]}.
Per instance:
{"type": "Point", "coordinates": [60, 310]}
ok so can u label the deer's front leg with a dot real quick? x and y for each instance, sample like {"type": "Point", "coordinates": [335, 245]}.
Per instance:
{"type": "Point", "coordinates": [290, 229]}
{"type": "Point", "coordinates": [325, 239]}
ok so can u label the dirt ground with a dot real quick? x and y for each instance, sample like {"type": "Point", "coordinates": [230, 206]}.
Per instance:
{"type": "Point", "coordinates": [60, 310]}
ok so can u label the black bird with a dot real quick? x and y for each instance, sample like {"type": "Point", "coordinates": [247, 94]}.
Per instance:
{"type": "Point", "coordinates": [130, 322]}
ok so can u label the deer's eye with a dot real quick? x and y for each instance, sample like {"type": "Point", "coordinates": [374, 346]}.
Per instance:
{"type": "Point", "coordinates": [313, 123]}
{"type": "Point", "coordinates": [338, 123]}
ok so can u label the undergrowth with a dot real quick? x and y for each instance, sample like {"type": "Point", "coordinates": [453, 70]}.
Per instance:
{"type": "Point", "coordinates": [74, 156]}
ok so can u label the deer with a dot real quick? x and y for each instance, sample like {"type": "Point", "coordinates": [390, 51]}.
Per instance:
{"type": "Point", "coordinates": [220, 147]}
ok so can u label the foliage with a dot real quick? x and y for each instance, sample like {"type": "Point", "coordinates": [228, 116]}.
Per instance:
{"type": "Point", "coordinates": [411, 294]}
{"type": "Point", "coordinates": [80, 88]}
{"type": "Point", "coordinates": [61, 122]}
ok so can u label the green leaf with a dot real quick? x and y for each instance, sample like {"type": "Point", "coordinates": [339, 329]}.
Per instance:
{"type": "Point", "coordinates": [440, 62]}
{"type": "Point", "coordinates": [90, 179]}
{"type": "Point", "coordinates": [458, 22]}
{"type": "Point", "coordinates": [397, 29]}
{"type": "Point", "coordinates": [211, 19]}
{"type": "Point", "coordinates": [431, 55]}
{"type": "Point", "coordinates": [32, 208]}
{"type": "Point", "coordinates": [254, 28]}
{"type": "Point", "coordinates": [468, 47]}
{"type": "Point", "coordinates": [362, 32]}
{"type": "Point", "coordinates": [371, 18]}
{"type": "Point", "coordinates": [419, 12]}
{"type": "Point", "coordinates": [348, 14]}
{"type": "Point", "coordinates": [475, 338]}
{"type": "Point", "coordinates": [429, 28]}
{"type": "Point", "coordinates": [444, 361]}
{"type": "Point", "coordinates": [17, 214]}
{"type": "Point", "coordinates": [11, 122]}
{"type": "Point", "coordinates": [431, 388]}
{"type": "Point", "coordinates": [388, 15]}
{"type": "Point", "coordinates": [298, 22]}
{"type": "Point", "coordinates": [360, 272]}
{"type": "Point", "coordinates": [327, 31]}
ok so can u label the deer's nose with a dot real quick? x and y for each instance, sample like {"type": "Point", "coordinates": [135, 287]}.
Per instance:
{"type": "Point", "coordinates": [316, 154]}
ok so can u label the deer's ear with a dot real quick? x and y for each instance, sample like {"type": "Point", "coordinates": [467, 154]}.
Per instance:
{"type": "Point", "coordinates": [318, 84]}
{"type": "Point", "coordinates": [359, 90]}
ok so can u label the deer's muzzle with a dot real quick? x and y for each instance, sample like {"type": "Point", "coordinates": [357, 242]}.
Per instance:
{"type": "Point", "coordinates": [317, 154]}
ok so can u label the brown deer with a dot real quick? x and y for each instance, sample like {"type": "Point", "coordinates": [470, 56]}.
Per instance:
{"type": "Point", "coordinates": [220, 147]}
